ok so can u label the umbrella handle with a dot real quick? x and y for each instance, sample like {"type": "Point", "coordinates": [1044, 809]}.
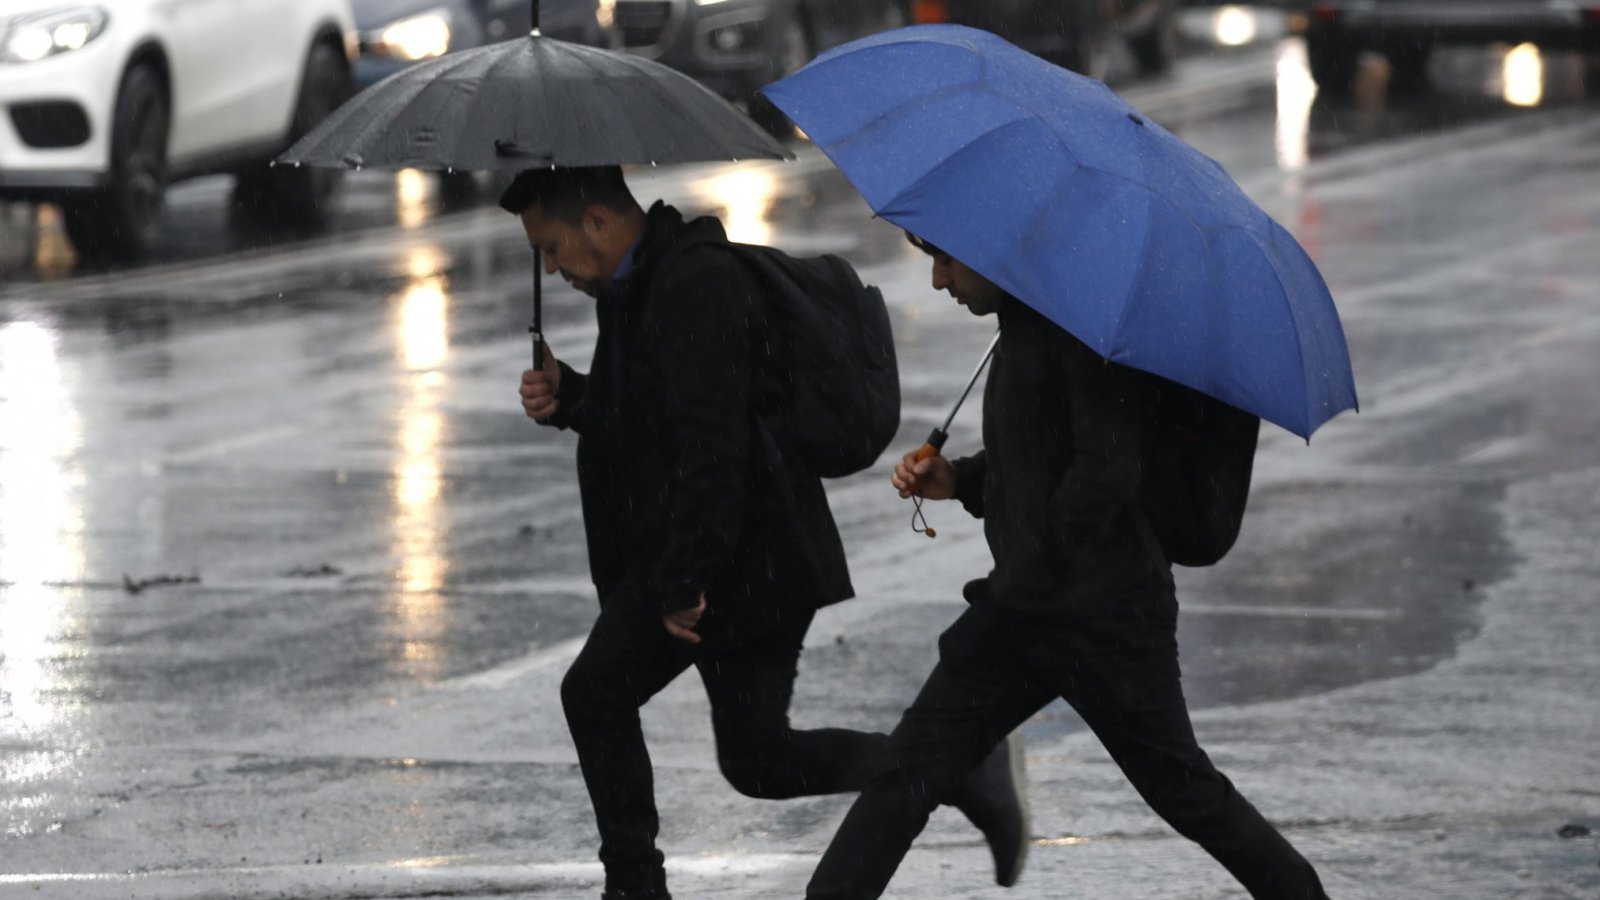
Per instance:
{"type": "Point", "coordinates": [935, 443]}
{"type": "Point", "coordinates": [929, 450]}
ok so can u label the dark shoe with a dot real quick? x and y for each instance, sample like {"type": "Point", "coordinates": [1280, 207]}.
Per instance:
{"type": "Point", "coordinates": [994, 798]}
{"type": "Point", "coordinates": [617, 894]}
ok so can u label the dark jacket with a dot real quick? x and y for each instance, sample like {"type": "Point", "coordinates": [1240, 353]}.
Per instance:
{"type": "Point", "coordinates": [683, 490]}
{"type": "Point", "coordinates": [1057, 482]}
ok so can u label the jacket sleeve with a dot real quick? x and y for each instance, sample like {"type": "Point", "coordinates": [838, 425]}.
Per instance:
{"type": "Point", "coordinates": [569, 412]}
{"type": "Point", "coordinates": [704, 354]}
{"type": "Point", "coordinates": [1106, 468]}
{"type": "Point", "coordinates": [969, 481]}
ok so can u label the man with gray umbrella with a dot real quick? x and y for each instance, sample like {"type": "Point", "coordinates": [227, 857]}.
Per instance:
{"type": "Point", "coordinates": [710, 546]}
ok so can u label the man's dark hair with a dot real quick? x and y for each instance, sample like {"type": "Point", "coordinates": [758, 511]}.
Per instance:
{"type": "Point", "coordinates": [564, 193]}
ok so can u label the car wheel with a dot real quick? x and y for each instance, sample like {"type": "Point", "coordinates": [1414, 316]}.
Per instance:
{"type": "Point", "coordinates": [1408, 67]}
{"type": "Point", "coordinates": [1333, 58]}
{"type": "Point", "coordinates": [299, 196]}
{"type": "Point", "coordinates": [122, 221]}
{"type": "Point", "coordinates": [458, 190]}
{"type": "Point", "coordinates": [793, 51]}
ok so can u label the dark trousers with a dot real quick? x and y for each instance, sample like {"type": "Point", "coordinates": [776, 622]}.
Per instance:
{"type": "Point", "coordinates": [625, 662]}
{"type": "Point", "coordinates": [1119, 670]}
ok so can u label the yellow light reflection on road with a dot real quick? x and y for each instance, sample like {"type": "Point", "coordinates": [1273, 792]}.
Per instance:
{"type": "Point", "coordinates": [54, 256]}
{"type": "Point", "coordinates": [1523, 76]}
{"type": "Point", "coordinates": [745, 196]}
{"type": "Point", "coordinates": [1234, 26]}
{"type": "Point", "coordinates": [422, 339]}
{"type": "Point", "coordinates": [413, 197]}
{"type": "Point", "coordinates": [1296, 92]}
{"type": "Point", "coordinates": [41, 521]}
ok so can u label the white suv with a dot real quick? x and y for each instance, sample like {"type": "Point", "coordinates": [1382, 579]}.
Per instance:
{"type": "Point", "coordinates": [104, 104]}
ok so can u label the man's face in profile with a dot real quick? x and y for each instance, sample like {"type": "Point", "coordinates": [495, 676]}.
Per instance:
{"type": "Point", "coordinates": [979, 295]}
{"type": "Point", "coordinates": [574, 250]}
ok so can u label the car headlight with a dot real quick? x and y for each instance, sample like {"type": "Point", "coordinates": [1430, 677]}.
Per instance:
{"type": "Point", "coordinates": [419, 37]}
{"type": "Point", "coordinates": [35, 36]}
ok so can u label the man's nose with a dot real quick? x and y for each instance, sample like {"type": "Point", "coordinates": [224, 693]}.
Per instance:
{"type": "Point", "coordinates": [941, 277]}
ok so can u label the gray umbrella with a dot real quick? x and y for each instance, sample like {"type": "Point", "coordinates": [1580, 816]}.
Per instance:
{"type": "Point", "coordinates": [528, 103]}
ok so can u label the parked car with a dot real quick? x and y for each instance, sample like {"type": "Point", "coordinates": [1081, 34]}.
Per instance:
{"type": "Point", "coordinates": [104, 105]}
{"type": "Point", "coordinates": [397, 33]}
{"type": "Point", "coordinates": [1075, 34]}
{"type": "Point", "coordinates": [1406, 31]}
{"type": "Point", "coordinates": [738, 46]}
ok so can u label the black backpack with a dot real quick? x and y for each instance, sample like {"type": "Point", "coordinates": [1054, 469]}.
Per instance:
{"type": "Point", "coordinates": [1197, 473]}
{"type": "Point", "coordinates": [836, 358]}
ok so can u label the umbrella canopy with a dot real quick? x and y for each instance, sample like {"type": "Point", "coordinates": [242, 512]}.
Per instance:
{"type": "Point", "coordinates": [533, 102]}
{"type": "Point", "coordinates": [1053, 188]}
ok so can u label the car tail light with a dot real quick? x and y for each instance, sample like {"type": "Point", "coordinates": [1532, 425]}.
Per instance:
{"type": "Point", "coordinates": [1324, 13]}
{"type": "Point", "coordinates": [930, 12]}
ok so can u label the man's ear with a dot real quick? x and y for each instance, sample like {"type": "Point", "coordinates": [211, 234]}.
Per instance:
{"type": "Point", "coordinates": [599, 222]}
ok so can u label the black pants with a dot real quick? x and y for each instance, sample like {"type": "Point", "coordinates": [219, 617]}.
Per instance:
{"type": "Point", "coordinates": [625, 662]}
{"type": "Point", "coordinates": [1120, 672]}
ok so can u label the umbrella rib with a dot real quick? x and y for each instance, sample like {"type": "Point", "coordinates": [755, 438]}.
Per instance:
{"type": "Point", "coordinates": [704, 124]}
{"type": "Point", "coordinates": [1283, 289]}
{"type": "Point", "coordinates": [904, 110]}
{"type": "Point", "coordinates": [445, 64]}
{"type": "Point", "coordinates": [619, 98]}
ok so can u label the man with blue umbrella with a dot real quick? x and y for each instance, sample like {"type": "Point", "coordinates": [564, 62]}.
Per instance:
{"type": "Point", "coordinates": [1125, 269]}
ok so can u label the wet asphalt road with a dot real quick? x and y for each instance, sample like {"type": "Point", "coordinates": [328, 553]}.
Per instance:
{"type": "Point", "coordinates": [287, 582]}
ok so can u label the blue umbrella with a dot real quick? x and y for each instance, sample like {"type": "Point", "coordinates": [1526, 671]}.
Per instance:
{"type": "Point", "coordinates": [1049, 185]}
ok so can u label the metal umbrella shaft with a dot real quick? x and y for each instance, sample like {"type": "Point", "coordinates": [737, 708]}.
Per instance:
{"type": "Point", "coordinates": [537, 328]}
{"type": "Point", "coordinates": [941, 434]}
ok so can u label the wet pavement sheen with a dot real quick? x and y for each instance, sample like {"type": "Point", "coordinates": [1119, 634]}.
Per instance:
{"type": "Point", "coordinates": [287, 581]}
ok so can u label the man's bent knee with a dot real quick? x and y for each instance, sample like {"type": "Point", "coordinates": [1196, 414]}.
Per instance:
{"type": "Point", "coordinates": [764, 776]}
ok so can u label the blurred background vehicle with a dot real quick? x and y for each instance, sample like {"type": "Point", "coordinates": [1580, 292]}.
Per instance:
{"type": "Point", "coordinates": [102, 106]}
{"type": "Point", "coordinates": [737, 46]}
{"type": "Point", "coordinates": [395, 34]}
{"type": "Point", "coordinates": [1406, 32]}
{"type": "Point", "coordinates": [1075, 34]}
